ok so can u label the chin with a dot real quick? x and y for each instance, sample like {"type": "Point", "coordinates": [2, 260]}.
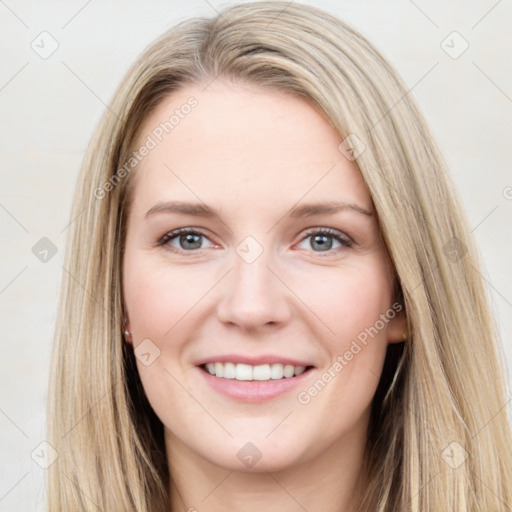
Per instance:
{"type": "Point", "coordinates": [256, 457]}
{"type": "Point", "coordinates": [268, 463]}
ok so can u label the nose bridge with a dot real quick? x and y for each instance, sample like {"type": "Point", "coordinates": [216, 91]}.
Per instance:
{"type": "Point", "coordinates": [253, 278]}
{"type": "Point", "coordinates": [253, 296]}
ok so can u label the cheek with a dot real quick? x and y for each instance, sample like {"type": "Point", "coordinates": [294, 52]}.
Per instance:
{"type": "Point", "coordinates": [160, 301]}
{"type": "Point", "coordinates": [347, 300]}
{"type": "Point", "coordinates": [157, 297]}
{"type": "Point", "coordinates": [357, 299]}
{"type": "Point", "coordinates": [352, 302]}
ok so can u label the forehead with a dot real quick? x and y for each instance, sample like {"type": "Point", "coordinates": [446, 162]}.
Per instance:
{"type": "Point", "coordinates": [243, 144]}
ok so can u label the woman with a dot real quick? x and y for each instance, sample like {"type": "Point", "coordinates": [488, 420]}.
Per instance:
{"type": "Point", "coordinates": [272, 298]}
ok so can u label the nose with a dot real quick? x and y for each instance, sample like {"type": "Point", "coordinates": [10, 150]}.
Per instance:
{"type": "Point", "coordinates": [253, 296]}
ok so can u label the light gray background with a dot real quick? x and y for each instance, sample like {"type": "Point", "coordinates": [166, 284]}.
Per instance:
{"type": "Point", "coordinates": [49, 108]}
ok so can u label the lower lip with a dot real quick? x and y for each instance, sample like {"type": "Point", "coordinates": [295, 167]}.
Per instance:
{"type": "Point", "coordinates": [255, 390]}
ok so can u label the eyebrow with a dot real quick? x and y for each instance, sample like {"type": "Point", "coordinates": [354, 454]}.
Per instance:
{"type": "Point", "coordinates": [304, 210]}
{"type": "Point", "coordinates": [307, 210]}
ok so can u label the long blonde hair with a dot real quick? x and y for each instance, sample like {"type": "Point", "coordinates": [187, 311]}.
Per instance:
{"type": "Point", "coordinates": [439, 437]}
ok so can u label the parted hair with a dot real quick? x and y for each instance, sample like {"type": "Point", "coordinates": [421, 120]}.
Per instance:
{"type": "Point", "coordinates": [439, 437]}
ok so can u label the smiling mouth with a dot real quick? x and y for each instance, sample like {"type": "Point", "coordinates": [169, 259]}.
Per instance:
{"type": "Point", "coordinates": [259, 373]}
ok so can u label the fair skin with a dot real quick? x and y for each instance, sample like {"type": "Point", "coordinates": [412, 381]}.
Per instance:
{"type": "Point", "coordinates": [253, 155]}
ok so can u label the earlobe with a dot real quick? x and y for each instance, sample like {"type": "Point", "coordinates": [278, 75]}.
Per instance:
{"type": "Point", "coordinates": [397, 329]}
{"type": "Point", "coordinates": [127, 334]}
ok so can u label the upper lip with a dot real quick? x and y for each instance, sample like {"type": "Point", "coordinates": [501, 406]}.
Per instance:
{"type": "Point", "coordinates": [252, 360]}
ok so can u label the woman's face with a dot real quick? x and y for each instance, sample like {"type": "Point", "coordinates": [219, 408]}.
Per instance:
{"type": "Point", "coordinates": [279, 265]}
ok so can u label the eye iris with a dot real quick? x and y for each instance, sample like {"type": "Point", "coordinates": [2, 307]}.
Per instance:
{"type": "Point", "coordinates": [190, 241]}
{"type": "Point", "coordinates": [322, 242]}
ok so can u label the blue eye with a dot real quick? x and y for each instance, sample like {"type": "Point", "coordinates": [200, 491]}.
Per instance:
{"type": "Point", "coordinates": [324, 240]}
{"type": "Point", "coordinates": [186, 239]}
{"type": "Point", "coordinates": [320, 240]}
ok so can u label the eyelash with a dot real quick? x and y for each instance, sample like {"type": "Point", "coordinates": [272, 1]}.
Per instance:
{"type": "Point", "coordinates": [345, 241]}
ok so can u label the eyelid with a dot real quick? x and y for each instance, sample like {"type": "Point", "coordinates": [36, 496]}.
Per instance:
{"type": "Point", "coordinates": [328, 231]}
{"type": "Point", "coordinates": [171, 235]}
{"type": "Point", "coordinates": [345, 241]}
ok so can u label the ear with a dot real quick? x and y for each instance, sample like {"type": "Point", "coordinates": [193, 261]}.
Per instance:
{"type": "Point", "coordinates": [127, 331]}
{"type": "Point", "coordinates": [397, 330]}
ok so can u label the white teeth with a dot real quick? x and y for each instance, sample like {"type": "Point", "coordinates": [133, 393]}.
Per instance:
{"type": "Point", "coordinates": [247, 372]}
{"type": "Point", "coordinates": [276, 371]}
{"type": "Point", "coordinates": [242, 371]}
{"type": "Point", "coordinates": [229, 371]}
{"type": "Point", "coordinates": [288, 371]}
{"type": "Point", "coordinates": [261, 372]}
{"type": "Point", "coordinates": [298, 370]}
